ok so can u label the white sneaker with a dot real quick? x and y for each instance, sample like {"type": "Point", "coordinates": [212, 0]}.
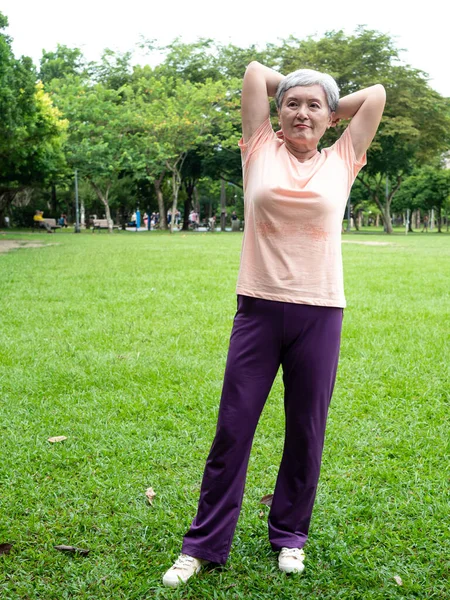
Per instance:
{"type": "Point", "coordinates": [290, 560]}
{"type": "Point", "coordinates": [185, 566]}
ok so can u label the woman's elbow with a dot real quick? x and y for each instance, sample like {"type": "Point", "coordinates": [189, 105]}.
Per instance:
{"type": "Point", "coordinates": [380, 91]}
{"type": "Point", "coordinates": [253, 65]}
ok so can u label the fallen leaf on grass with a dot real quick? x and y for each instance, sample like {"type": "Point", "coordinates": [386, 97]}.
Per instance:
{"type": "Point", "coordinates": [150, 493]}
{"type": "Point", "coordinates": [261, 514]}
{"type": "Point", "coordinates": [72, 550]}
{"type": "Point", "coordinates": [58, 438]}
{"type": "Point", "coordinates": [5, 548]}
{"type": "Point", "coordinates": [398, 580]}
{"type": "Point", "coordinates": [267, 499]}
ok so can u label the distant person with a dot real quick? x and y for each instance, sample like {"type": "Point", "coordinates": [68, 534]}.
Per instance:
{"type": "Point", "coordinates": [7, 222]}
{"type": "Point", "coordinates": [193, 218]}
{"type": "Point", "coordinates": [62, 221]}
{"type": "Point", "coordinates": [234, 216]}
{"type": "Point", "coordinates": [290, 304]}
{"type": "Point", "coordinates": [39, 219]}
{"type": "Point", "coordinates": [425, 224]}
{"type": "Point", "coordinates": [212, 223]}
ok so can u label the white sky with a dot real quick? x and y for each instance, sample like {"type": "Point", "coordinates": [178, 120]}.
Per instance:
{"type": "Point", "coordinates": [420, 28]}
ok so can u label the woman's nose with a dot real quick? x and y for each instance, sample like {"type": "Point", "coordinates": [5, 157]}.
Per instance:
{"type": "Point", "coordinates": [302, 112]}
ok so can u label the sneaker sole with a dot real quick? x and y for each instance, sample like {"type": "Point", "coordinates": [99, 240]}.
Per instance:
{"type": "Point", "coordinates": [291, 569]}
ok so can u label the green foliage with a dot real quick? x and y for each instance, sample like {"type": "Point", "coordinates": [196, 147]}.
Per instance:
{"type": "Point", "coordinates": [32, 131]}
{"type": "Point", "coordinates": [114, 69]}
{"type": "Point", "coordinates": [98, 145]}
{"type": "Point", "coordinates": [142, 122]}
{"type": "Point", "coordinates": [427, 188]}
{"type": "Point", "coordinates": [64, 62]}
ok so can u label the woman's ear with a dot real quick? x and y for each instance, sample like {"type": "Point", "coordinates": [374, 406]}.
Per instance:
{"type": "Point", "coordinates": [333, 121]}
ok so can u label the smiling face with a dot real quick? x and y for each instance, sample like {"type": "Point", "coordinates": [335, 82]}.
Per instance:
{"type": "Point", "coordinates": [304, 117]}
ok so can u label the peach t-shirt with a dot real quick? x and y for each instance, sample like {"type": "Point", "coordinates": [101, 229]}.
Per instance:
{"type": "Point", "coordinates": [291, 251]}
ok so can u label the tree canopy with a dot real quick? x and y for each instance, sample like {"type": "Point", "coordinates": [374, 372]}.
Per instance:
{"type": "Point", "coordinates": [32, 130]}
{"type": "Point", "coordinates": [180, 119]}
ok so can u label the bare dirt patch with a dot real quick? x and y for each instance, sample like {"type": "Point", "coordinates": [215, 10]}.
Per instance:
{"type": "Point", "coordinates": [7, 245]}
{"type": "Point", "coordinates": [368, 243]}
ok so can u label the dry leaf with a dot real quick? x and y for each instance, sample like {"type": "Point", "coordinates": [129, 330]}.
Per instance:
{"type": "Point", "coordinates": [72, 550]}
{"type": "Point", "coordinates": [150, 493]}
{"type": "Point", "coordinates": [267, 499]}
{"type": "Point", "coordinates": [58, 438]}
{"type": "Point", "coordinates": [261, 514]}
{"type": "Point", "coordinates": [398, 580]}
{"type": "Point", "coordinates": [5, 548]}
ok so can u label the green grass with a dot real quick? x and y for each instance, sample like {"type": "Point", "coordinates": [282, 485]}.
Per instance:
{"type": "Point", "coordinates": [119, 342]}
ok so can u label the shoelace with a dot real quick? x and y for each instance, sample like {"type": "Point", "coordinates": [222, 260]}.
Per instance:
{"type": "Point", "coordinates": [292, 552]}
{"type": "Point", "coordinates": [183, 562]}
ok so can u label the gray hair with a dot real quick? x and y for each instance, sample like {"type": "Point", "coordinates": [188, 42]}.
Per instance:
{"type": "Point", "coordinates": [306, 77]}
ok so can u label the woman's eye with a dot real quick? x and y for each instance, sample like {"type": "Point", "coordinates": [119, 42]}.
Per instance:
{"type": "Point", "coordinates": [314, 105]}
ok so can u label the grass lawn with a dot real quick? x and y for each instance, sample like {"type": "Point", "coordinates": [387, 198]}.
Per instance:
{"type": "Point", "coordinates": [119, 343]}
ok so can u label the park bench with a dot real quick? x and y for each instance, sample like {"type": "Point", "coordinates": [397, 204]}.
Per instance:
{"type": "Point", "coordinates": [102, 224]}
{"type": "Point", "coordinates": [52, 222]}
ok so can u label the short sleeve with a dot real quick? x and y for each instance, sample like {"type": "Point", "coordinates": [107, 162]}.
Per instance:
{"type": "Point", "coordinates": [344, 148]}
{"type": "Point", "coordinates": [261, 136]}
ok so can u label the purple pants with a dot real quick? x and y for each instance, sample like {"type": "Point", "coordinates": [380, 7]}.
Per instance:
{"type": "Point", "coordinates": [305, 340]}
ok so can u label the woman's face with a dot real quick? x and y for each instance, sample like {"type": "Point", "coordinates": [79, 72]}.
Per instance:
{"type": "Point", "coordinates": [304, 116]}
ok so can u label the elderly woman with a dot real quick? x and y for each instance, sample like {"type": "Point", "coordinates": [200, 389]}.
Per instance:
{"type": "Point", "coordinates": [290, 304]}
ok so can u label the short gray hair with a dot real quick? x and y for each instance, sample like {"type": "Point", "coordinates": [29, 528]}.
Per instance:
{"type": "Point", "coordinates": [306, 77]}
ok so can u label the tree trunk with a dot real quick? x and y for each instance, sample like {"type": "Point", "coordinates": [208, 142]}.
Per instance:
{"type": "Point", "coordinates": [190, 187]}
{"type": "Point", "coordinates": [186, 209]}
{"type": "Point", "coordinates": [385, 214]}
{"type": "Point", "coordinates": [54, 200]}
{"type": "Point", "coordinates": [197, 202]}
{"type": "Point", "coordinates": [176, 182]}
{"type": "Point", "coordinates": [82, 215]}
{"type": "Point", "coordinates": [385, 208]}
{"type": "Point", "coordinates": [104, 199]}
{"type": "Point", "coordinates": [223, 201]}
{"type": "Point", "coordinates": [162, 211]}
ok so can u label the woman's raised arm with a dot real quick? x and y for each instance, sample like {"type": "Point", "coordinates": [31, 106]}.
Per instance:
{"type": "Point", "coordinates": [365, 109]}
{"type": "Point", "coordinates": [259, 83]}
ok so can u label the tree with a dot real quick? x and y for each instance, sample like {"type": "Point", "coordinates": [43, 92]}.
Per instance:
{"type": "Point", "coordinates": [98, 144]}
{"type": "Point", "coordinates": [427, 188]}
{"type": "Point", "coordinates": [174, 117]}
{"type": "Point", "coordinates": [31, 128]}
{"type": "Point", "coordinates": [61, 64]}
{"type": "Point", "coordinates": [114, 70]}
